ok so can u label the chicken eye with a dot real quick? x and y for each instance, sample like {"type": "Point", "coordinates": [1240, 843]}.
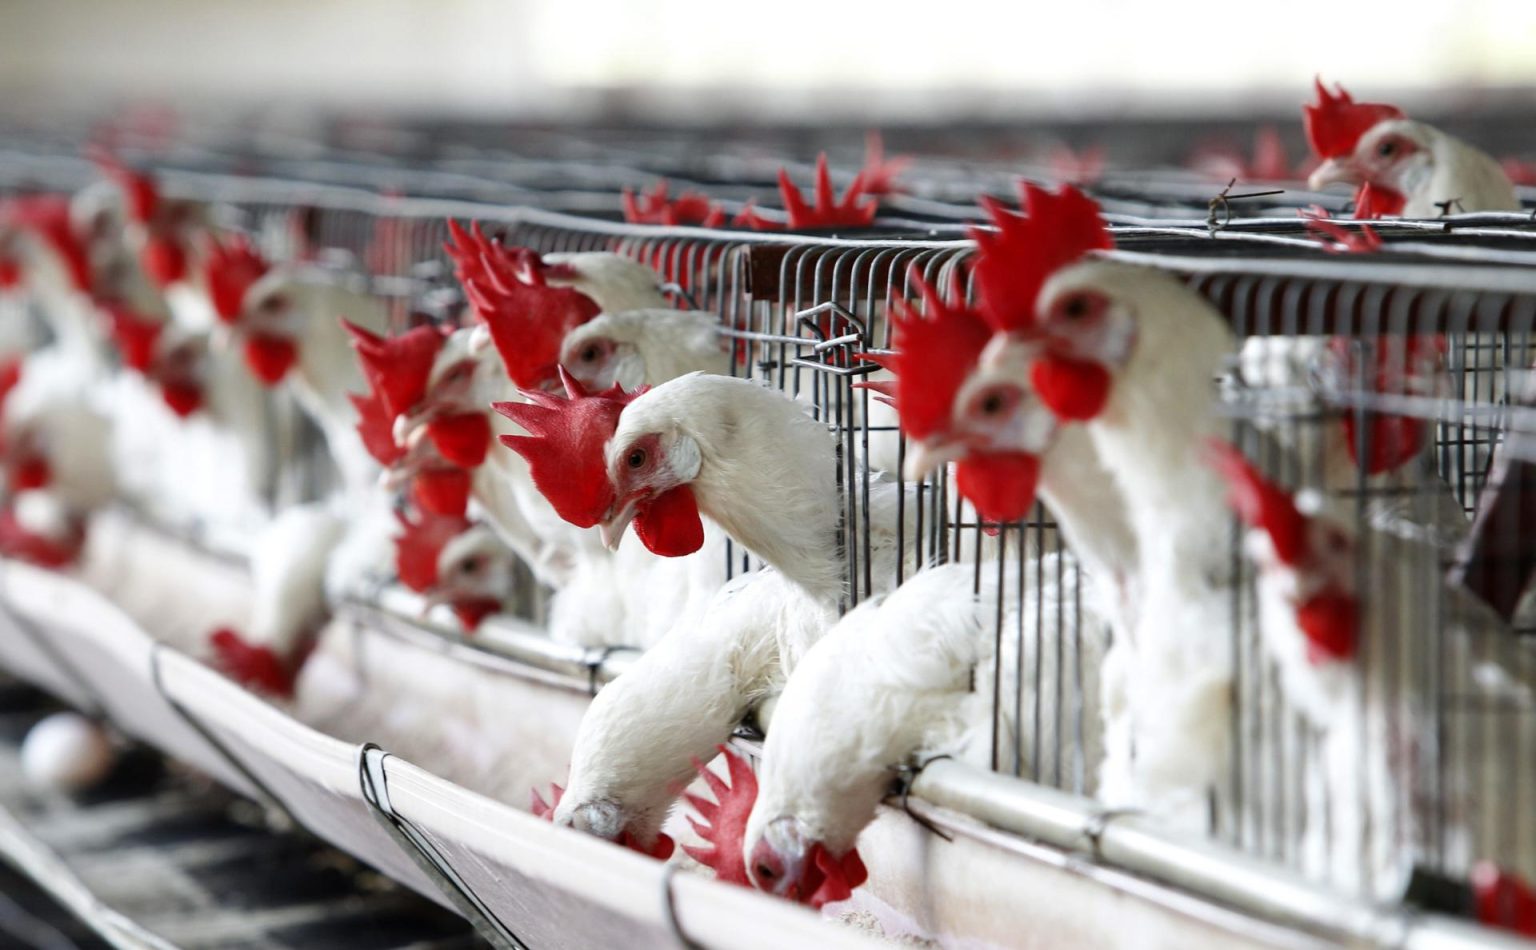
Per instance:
{"type": "Point", "coordinates": [1387, 149]}
{"type": "Point", "coordinates": [274, 304]}
{"type": "Point", "coordinates": [470, 566]}
{"type": "Point", "coordinates": [636, 458]}
{"type": "Point", "coordinates": [590, 354]}
{"type": "Point", "coordinates": [1076, 307]}
{"type": "Point", "coordinates": [764, 872]}
{"type": "Point", "coordinates": [991, 405]}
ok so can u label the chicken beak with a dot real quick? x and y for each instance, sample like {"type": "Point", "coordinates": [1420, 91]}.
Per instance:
{"type": "Point", "coordinates": [923, 457]}
{"type": "Point", "coordinates": [614, 525]}
{"type": "Point", "coordinates": [1334, 171]}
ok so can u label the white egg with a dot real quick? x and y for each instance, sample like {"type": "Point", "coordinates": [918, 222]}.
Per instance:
{"type": "Point", "coordinates": [66, 752]}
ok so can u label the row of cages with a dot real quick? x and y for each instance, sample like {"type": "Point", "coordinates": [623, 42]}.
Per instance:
{"type": "Point", "coordinates": [1445, 723]}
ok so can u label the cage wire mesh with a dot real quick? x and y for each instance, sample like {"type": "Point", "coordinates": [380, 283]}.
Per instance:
{"type": "Point", "coordinates": [1440, 710]}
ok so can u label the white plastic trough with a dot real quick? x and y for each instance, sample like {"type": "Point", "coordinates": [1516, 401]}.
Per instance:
{"type": "Point", "coordinates": [1019, 872]}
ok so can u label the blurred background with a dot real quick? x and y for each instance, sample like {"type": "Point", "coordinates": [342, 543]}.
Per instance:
{"type": "Point", "coordinates": [696, 61]}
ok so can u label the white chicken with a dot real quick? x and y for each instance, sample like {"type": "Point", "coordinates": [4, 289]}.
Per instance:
{"type": "Point", "coordinates": [693, 447]}
{"type": "Point", "coordinates": [1134, 353]}
{"type": "Point", "coordinates": [899, 679]}
{"type": "Point", "coordinates": [1412, 169]}
{"type": "Point", "coordinates": [290, 327]}
{"type": "Point", "coordinates": [1337, 615]}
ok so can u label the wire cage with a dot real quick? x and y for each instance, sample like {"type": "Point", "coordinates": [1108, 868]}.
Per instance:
{"type": "Point", "coordinates": [1427, 769]}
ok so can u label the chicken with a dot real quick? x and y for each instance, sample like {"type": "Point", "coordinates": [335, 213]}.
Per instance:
{"type": "Point", "coordinates": [643, 348]}
{"type": "Point", "coordinates": [53, 242]}
{"type": "Point", "coordinates": [692, 448]}
{"type": "Point", "coordinates": [203, 454]}
{"type": "Point", "coordinates": [1338, 613]}
{"type": "Point", "coordinates": [1133, 354]}
{"type": "Point", "coordinates": [57, 467]}
{"type": "Point", "coordinates": [603, 598]}
{"type": "Point", "coordinates": [290, 329]}
{"type": "Point", "coordinates": [288, 563]}
{"type": "Point", "coordinates": [891, 683]}
{"type": "Point", "coordinates": [1412, 169]}
{"type": "Point", "coordinates": [165, 239]}
{"type": "Point", "coordinates": [455, 563]}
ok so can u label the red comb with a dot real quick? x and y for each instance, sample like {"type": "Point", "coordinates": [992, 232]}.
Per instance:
{"type": "Point", "coordinates": [1259, 502]}
{"type": "Point", "coordinates": [851, 211]}
{"type": "Point", "coordinates": [935, 352]}
{"type": "Point", "coordinates": [397, 367]}
{"type": "Point", "coordinates": [229, 269]}
{"type": "Point", "coordinates": [723, 822]}
{"type": "Point", "coordinates": [880, 173]}
{"type": "Point", "coordinates": [688, 208]}
{"type": "Point", "coordinates": [134, 335]}
{"type": "Point", "coordinates": [565, 446]}
{"type": "Point", "coordinates": [375, 426]}
{"type": "Point", "coordinates": [1335, 238]}
{"type": "Point", "coordinates": [1013, 263]}
{"type": "Point", "coordinates": [253, 666]}
{"type": "Point", "coordinates": [1335, 122]}
{"type": "Point", "coordinates": [528, 319]}
{"type": "Point", "coordinates": [418, 545]}
{"type": "Point", "coordinates": [47, 217]}
{"type": "Point", "coordinates": [139, 189]}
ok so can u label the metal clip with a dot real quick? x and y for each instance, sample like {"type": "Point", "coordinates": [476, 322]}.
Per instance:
{"type": "Point", "coordinates": [1222, 202]}
{"type": "Point", "coordinates": [374, 784]}
{"type": "Point", "coordinates": [269, 799]}
{"type": "Point", "coordinates": [669, 909]}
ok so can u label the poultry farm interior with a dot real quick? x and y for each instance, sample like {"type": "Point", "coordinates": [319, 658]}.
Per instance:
{"type": "Point", "coordinates": [934, 539]}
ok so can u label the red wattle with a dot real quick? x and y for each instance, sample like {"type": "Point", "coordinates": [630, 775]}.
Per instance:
{"type": "Point", "coordinates": [253, 666]}
{"type": "Point", "coordinates": [270, 358]}
{"type": "Point", "coordinates": [1503, 899]}
{"type": "Point", "coordinates": [442, 491]}
{"type": "Point", "coordinates": [1374, 201]}
{"type": "Point", "coordinates": [1394, 441]}
{"type": "Point", "coordinates": [1001, 486]}
{"type": "Point", "coordinates": [833, 879]}
{"type": "Point", "coordinates": [164, 260]}
{"type": "Point", "coordinates": [471, 612]}
{"type": "Point", "coordinates": [182, 398]}
{"type": "Point", "coordinates": [669, 524]}
{"type": "Point", "coordinates": [1331, 624]}
{"type": "Point", "coordinates": [660, 850]}
{"type": "Point", "coordinates": [32, 472]}
{"type": "Point", "coordinates": [1074, 390]}
{"type": "Point", "coordinates": [462, 439]}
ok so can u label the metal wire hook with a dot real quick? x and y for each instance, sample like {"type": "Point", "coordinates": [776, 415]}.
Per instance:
{"type": "Point", "coordinates": [669, 909]}
{"type": "Point", "coordinates": [1222, 202]}
{"type": "Point", "coordinates": [907, 774]}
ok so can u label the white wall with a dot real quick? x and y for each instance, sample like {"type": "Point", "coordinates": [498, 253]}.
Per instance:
{"type": "Point", "coordinates": [890, 58]}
